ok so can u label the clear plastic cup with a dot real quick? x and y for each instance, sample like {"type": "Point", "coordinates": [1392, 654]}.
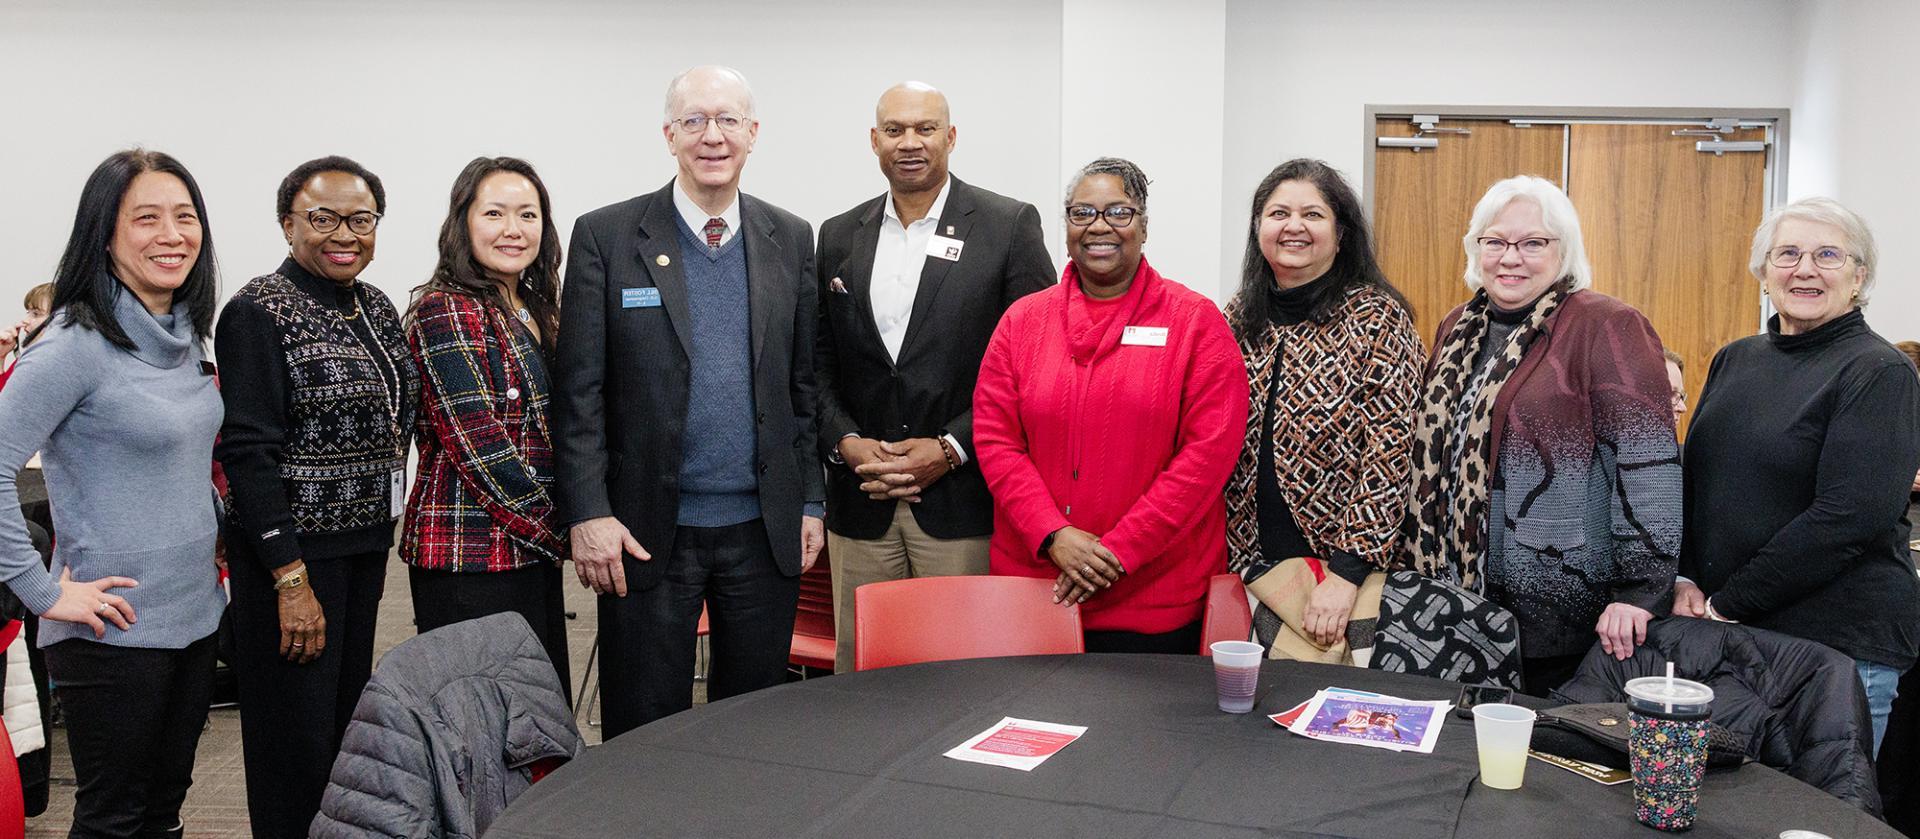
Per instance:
{"type": "Point", "coordinates": [1502, 733]}
{"type": "Point", "coordinates": [1236, 673]}
{"type": "Point", "coordinates": [1667, 723]}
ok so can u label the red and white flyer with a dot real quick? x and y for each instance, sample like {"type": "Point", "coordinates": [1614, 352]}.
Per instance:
{"type": "Point", "coordinates": [1017, 744]}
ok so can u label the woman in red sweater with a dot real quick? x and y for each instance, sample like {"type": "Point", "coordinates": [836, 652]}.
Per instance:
{"type": "Point", "coordinates": [1108, 416]}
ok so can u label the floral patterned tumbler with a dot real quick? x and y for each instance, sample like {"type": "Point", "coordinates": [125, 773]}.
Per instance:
{"type": "Point", "coordinates": [1667, 748]}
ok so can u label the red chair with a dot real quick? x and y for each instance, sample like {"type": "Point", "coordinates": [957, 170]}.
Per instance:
{"type": "Point", "coordinates": [813, 636]}
{"type": "Point", "coordinates": [1228, 617]}
{"type": "Point", "coordinates": [945, 618]}
{"type": "Point", "coordinates": [13, 804]}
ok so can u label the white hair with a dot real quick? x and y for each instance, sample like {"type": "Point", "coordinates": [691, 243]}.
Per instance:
{"type": "Point", "coordinates": [1825, 211]}
{"type": "Point", "coordinates": [1556, 215]}
{"type": "Point", "coordinates": [678, 87]}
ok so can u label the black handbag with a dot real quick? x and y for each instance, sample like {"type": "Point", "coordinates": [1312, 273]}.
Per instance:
{"type": "Point", "coordinates": [1597, 733]}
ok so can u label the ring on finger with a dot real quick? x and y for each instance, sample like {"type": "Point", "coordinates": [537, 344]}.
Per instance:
{"type": "Point", "coordinates": [104, 607]}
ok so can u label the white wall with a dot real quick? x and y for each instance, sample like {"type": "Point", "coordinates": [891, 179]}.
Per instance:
{"type": "Point", "coordinates": [1857, 104]}
{"type": "Point", "coordinates": [241, 91]}
{"type": "Point", "coordinates": [1145, 80]}
{"type": "Point", "coordinates": [1299, 74]}
{"type": "Point", "coordinates": [1205, 95]}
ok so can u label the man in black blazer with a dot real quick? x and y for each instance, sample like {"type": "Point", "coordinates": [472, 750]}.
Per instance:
{"type": "Point", "coordinates": [912, 284]}
{"type": "Point", "coordinates": [685, 416]}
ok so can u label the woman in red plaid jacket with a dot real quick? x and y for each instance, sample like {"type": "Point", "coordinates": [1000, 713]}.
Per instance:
{"type": "Point", "coordinates": [480, 535]}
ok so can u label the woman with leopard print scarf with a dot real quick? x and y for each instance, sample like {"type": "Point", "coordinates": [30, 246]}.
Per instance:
{"type": "Point", "coordinates": [1546, 474]}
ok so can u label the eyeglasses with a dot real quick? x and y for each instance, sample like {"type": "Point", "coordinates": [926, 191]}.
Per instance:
{"type": "Point", "coordinates": [697, 123]}
{"type": "Point", "coordinates": [1083, 215]}
{"type": "Point", "coordinates": [1530, 246]}
{"type": "Point", "coordinates": [323, 220]}
{"type": "Point", "coordinates": [1825, 256]}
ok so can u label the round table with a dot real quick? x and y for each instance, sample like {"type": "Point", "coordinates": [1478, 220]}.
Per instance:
{"type": "Point", "coordinates": [860, 754]}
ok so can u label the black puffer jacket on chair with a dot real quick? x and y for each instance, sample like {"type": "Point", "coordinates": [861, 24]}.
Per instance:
{"type": "Point", "coordinates": [1798, 703]}
{"type": "Point", "coordinates": [444, 734]}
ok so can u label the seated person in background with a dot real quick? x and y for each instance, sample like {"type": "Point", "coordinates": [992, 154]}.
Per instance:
{"type": "Point", "coordinates": [1677, 379]}
{"type": "Point", "coordinates": [39, 302]}
{"type": "Point", "coordinates": [1108, 415]}
{"type": "Point", "coordinates": [1805, 438]}
{"type": "Point", "coordinates": [1911, 349]}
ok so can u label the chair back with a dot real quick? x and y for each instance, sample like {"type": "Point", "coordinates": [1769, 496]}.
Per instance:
{"type": "Point", "coordinates": [813, 635]}
{"type": "Point", "coordinates": [13, 804]}
{"type": "Point", "coordinates": [1228, 617]}
{"type": "Point", "coordinates": [944, 618]}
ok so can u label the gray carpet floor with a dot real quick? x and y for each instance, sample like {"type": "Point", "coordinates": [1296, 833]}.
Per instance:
{"type": "Point", "coordinates": [217, 803]}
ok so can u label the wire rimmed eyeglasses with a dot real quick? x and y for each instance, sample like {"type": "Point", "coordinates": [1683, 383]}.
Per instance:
{"type": "Point", "coordinates": [1825, 256]}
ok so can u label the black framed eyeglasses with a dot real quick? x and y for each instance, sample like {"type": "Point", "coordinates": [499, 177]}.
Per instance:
{"type": "Point", "coordinates": [1083, 215]}
{"type": "Point", "coordinates": [324, 220]}
{"type": "Point", "coordinates": [1829, 257]}
{"type": "Point", "coordinates": [1530, 246]}
{"type": "Point", "coordinates": [697, 123]}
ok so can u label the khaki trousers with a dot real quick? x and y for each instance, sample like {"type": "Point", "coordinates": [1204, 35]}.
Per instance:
{"type": "Point", "coordinates": [903, 552]}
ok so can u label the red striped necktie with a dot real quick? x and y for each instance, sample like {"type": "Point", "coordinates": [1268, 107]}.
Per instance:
{"type": "Point", "coordinates": [716, 228]}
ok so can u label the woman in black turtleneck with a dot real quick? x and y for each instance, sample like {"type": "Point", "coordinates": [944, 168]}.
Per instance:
{"type": "Point", "coordinates": [320, 398]}
{"type": "Point", "coordinates": [1800, 457]}
{"type": "Point", "coordinates": [1332, 362]}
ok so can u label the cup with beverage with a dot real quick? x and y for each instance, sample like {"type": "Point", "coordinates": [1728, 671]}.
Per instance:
{"type": "Point", "coordinates": [1502, 732]}
{"type": "Point", "coordinates": [1236, 673]}
{"type": "Point", "coordinates": [1667, 748]}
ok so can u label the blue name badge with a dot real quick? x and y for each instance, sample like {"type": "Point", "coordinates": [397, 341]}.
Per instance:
{"type": "Point", "coordinates": [639, 298]}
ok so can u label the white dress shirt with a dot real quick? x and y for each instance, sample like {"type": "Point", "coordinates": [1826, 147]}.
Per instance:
{"type": "Point", "coordinates": [897, 259]}
{"type": "Point", "coordinates": [696, 218]}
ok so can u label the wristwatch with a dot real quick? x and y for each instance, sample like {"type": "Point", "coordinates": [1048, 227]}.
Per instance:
{"type": "Point", "coordinates": [294, 579]}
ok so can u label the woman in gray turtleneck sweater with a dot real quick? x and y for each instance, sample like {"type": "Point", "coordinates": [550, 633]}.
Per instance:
{"type": "Point", "coordinates": [117, 397]}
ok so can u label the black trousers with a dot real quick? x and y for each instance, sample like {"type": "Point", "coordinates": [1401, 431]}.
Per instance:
{"type": "Point", "coordinates": [292, 716]}
{"type": "Point", "coordinates": [1543, 674]}
{"type": "Point", "coordinates": [1182, 641]}
{"type": "Point", "coordinates": [134, 718]}
{"type": "Point", "coordinates": [647, 637]}
{"type": "Point", "coordinates": [444, 597]}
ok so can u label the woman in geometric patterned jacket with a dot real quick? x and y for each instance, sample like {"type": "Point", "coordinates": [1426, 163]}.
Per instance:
{"type": "Point", "coordinates": [1546, 476]}
{"type": "Point", "coordinates": [1332, 362]}
{"type": "Point", "coordinates": [480, 537]}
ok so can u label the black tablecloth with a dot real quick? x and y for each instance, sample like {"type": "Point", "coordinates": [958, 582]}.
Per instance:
{"type": "Point", "coordinates": [860, 755]}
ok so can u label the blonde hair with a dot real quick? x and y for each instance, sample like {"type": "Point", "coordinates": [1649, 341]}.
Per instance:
{"type": "Point", "coordinates": [1556, 215]}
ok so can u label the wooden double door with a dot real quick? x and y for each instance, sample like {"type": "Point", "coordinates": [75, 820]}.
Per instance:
{"type": "Point", "coordinates": [1667, 227]}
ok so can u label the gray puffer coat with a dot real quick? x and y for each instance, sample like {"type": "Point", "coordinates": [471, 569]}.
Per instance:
{"type": "Point", "coordinates": [442, 738]}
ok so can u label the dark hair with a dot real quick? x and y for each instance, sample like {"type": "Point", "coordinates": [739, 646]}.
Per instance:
{"type": "Point", "coordinates": [458, 272]}
{"type": "Point", "coordinates": [1132, 181]}
{"type": "Point", "coordinates": [84, 284]}
{"type": "Point", "coordinates": [1354, 265]}
{"type": "Point", "coordinates": [297, 180]}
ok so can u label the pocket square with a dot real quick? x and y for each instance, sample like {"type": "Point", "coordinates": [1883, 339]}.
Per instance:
{"type": "Point", "coordinates": [837, 286]}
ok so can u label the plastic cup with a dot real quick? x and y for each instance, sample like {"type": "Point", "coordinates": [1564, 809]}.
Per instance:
{"type": "Point", "coordinates": [1502, 733]}
{"type": "Point", "coordinates": [1667, 748]}
{"type": "Point", "coordinates": [1236, 673]}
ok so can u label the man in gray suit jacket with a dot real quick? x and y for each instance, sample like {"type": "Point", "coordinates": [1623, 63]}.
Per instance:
{"type": "Point", "coordinates": [912, 284]}
{"type": "Point", "coordinates": [684, 414]}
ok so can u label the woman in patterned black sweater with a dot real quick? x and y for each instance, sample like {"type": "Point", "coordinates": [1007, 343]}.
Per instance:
{"type": "Point", "coordinates": [319, 396]}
